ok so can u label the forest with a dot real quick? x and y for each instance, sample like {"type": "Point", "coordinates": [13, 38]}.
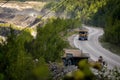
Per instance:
{"type": "Point", "coordinates": [108, 17]}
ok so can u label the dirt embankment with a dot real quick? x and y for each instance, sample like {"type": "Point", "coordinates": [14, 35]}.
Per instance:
{"type": "Point", "coordinates": [20, 13]}
{"type": "Point", "coordinates": [23, 5]}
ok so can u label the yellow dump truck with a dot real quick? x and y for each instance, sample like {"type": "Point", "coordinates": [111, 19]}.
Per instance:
{"type": "Point", "coordinates": [83, 34]}
{"type": "Point", "coordinates": [73, 56]}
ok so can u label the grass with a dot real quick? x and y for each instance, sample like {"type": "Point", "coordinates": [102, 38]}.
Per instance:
{"type": "Point", "coordinates": [111, 47]}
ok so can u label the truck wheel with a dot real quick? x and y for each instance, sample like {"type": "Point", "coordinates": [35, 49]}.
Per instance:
{"type": "Point", "coordinates": [69, 62]}
{"type": "Point", "coordinates": [79, 39]}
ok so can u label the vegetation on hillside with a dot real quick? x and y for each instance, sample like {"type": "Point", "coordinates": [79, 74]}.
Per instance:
{"type": "Point", "coordinates": [109, 18]}
{"type": "Point", "coordinates": [102, 13]}
{"type": "Point", "coordinates": [112, 27]}
{"type": "Point", "coordinates": [79, 9]}
{"type": "Point", "coordinates": [25, 58]}
{"type": "Point", "coordinates": [49, 43]}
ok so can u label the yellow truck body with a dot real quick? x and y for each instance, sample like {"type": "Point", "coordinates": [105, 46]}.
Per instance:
{"type": "Point", "coordinates": [83, 34]}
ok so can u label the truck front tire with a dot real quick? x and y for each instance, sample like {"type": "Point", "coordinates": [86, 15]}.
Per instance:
{"type": "Point", "coordinates": [69, 62]}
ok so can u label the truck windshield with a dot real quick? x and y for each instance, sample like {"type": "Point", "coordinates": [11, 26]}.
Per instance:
{"type": "Point", "coordinates": [69, 55]}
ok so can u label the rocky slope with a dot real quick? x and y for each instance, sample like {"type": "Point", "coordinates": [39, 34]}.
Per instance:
{"type": "Point", "coordinates": [21, 14]}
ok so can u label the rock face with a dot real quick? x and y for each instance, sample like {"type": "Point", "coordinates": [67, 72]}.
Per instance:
{"type": "Point", "coordinates": [5, 31]}
{"type": "Point", "coordinates": [20, 13]}
{"type": "Point", "coordinates": [20, 18]}
{"type": "Point", "coordinates": [59, 72]}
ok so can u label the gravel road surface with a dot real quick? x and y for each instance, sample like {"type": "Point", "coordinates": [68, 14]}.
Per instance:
{"type": "Point", "coordinates": [94, 48]}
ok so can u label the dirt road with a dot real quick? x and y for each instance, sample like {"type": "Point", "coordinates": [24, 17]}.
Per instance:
{"type": "Point", "coordinates": [94, 48]}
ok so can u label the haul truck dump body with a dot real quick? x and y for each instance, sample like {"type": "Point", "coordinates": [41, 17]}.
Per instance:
{"type": "Point", "coordinates": [83, 34]}
{"type": "Point", "coordinates": [73, 56]}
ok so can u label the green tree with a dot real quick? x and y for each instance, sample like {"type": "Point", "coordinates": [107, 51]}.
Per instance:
{"type": "Point", "coordinates": [49, 43]}
{"type": "Point", "coordinates": [19, 61]}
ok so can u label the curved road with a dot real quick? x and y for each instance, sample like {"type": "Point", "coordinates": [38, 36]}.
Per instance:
{"type": "Point", "coordinates": [94, 48]}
